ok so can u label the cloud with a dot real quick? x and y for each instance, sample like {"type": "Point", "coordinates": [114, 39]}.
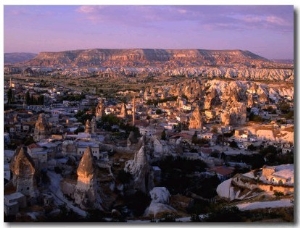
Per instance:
{"type": "Point", "coordinates": [276, 20]}
{"type": "Point", "coordinates": [205, 16]}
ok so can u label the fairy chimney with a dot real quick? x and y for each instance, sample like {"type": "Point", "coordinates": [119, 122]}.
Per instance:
{"type": "Point", "coordinates": [100, 109]}
{"type": "Point", "coordinates": [123, 113]}
{"type": "Point", "coordinates": [41, 129]}
{"type": "Point", "coordinates": [140, 169]}
{"type": "Point", "coordinates": [196, 121]}
{"type": "Point", "coordinates": [86, 195]}
{"type": "Point", "coordinates": [23, 170]}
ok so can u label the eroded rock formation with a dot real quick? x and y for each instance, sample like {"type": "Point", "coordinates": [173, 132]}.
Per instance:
{"type": "Point", "coordinates": [41, 129]}
{"type": "Point", "coordinates": [140, 169]}
{"type": "Point", "coordinates": [99, 112]}
{"type": "Point", "coordinates": [196, 121]}
{"type": "Point", "coordinates": [160, 203]}
{"type": "Point", "coordinates": [23, 170]}
{"type": "Point", "coordinates": [123, 113]}
{"type": "Point", "coordinates": [86, 191]}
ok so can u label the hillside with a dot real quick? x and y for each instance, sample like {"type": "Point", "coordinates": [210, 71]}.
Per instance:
{"type": "Point", "coordinates": [17, 57]}
{"type": "Point", "coordinates": [146, 57]}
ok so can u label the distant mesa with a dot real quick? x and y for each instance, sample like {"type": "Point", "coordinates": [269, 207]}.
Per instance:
{"type": "Point", "coordinates": [144, 57]}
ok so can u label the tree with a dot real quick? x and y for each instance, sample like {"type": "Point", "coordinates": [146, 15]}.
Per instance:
{"type": "Point", "coordinates": [214, 130]}
{"type": "Point", "coordinates": [163, 135]}
{"type": "Point", "coordinates": [195, 138]}
{"type": "Point", "coordinates": [9, 96]}
{"type": "Point", "coordinates": [27, 98]}
{"type": "Point", "coordinates": [225, 214]}
{"type": "Point", "coordinates": [158, 111]}
{"type": "Point", "coordinates": [233, 144]}
{"type": "Point", "coordinates": [284, 107]}
{"type": "Point", "coordinates": [124, 176]}
{"type": "Point", "coordinates": [40, 100]}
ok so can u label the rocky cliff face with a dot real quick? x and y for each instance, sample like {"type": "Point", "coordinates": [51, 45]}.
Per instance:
{"type": "Point", "coordinates": [196, 121]}
{"type": "Point", "coordinates": [140, 169]}
{"type": "Point", "coordinates": [138, 57]}
{"type": "Point", "coordinates": [172, 62]}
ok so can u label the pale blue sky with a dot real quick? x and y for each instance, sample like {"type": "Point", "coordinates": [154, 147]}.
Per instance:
{"type": "Point", "coordinates": [265, 30]}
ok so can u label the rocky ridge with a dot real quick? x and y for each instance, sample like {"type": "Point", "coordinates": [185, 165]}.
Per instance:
{"type": "Point", "coordinates": [142, 57]}
{"type": "Point", "coordinates": [170, 62]}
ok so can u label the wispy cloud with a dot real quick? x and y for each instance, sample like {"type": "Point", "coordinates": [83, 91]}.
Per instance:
{"type": "Point", "coordinates": [206, 17]}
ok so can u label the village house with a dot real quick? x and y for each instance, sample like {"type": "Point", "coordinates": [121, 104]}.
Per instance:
{"type": "Point", "coordinates": [223, 172]}
{"type": "Point", "coordinates": [39, 155]}
{"type": "Point", "coordinates": [81, 147]}
{"type": "Point", "coordinates": [282, 174]}
{"type": "Point", "coordinates": [205, 152]}
{"type": "Point", "coordinates": [14, 202]}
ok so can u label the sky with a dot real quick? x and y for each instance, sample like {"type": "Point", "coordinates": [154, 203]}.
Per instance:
{"type": "Point", "coordinates": [264, 30]}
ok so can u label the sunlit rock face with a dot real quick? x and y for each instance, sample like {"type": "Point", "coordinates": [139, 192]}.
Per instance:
{"type": "Point", "coordinates": [192, 89]}
{"type": "Point", "coordinates": [88, 127]}
{"type": "Point", "coordinates": [196, 121]}
{"type": "Point", "coordinates": [86, 194]}
{"type": "Point", "coordinates": [140, 169]}
{"type": "Point", "coordinates": [235, 114]}
{"type": "Point", "coordinates": [41, 129]}
{"type": "Point", "coordinates": [23, 170]}
{"type": "Point", "coordinates": [123, 113]}
{"type": "Point", "coordinates": [228, 64]}
{"type": "Point", "coordinates": [160, 203]}
{"type": "Point", "coordinates": [99, 112]}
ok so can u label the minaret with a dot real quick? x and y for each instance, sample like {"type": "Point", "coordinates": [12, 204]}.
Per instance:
{"type": "Point", "coordinates": [10, 83]}
{"type": "Point", "coordinates": [133, 112]}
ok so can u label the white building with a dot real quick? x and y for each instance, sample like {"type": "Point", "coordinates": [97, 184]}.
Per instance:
{"type": "Point", "coordinates": [81, 147]}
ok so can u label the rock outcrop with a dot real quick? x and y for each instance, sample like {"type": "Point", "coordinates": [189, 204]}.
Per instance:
{"type": "Point", "coordinates": [192, 62]}
{"type": "Point", "coordinates": [128, 57]}
{"type": "Point", "coordinates": [41, 128]}
{"type": "Point", "coordinates": [132, 139]}
{"type": "Point", "coordinates": [160, 203]}
{"type": "Point", "coordinates": [99, 112]}
{"type": "Point", "coordinates": [23, 170]}
{"type": "Point", "coordinates": [86, 193]}
{"type": "Point", "coordinates": [140, 169]}
{"type": "Point", "coordinates": [196, 121]}
{"type": "Point", "coordinates": [88, 127]}
{"type": "Point", "coordinates": [123, 113]}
